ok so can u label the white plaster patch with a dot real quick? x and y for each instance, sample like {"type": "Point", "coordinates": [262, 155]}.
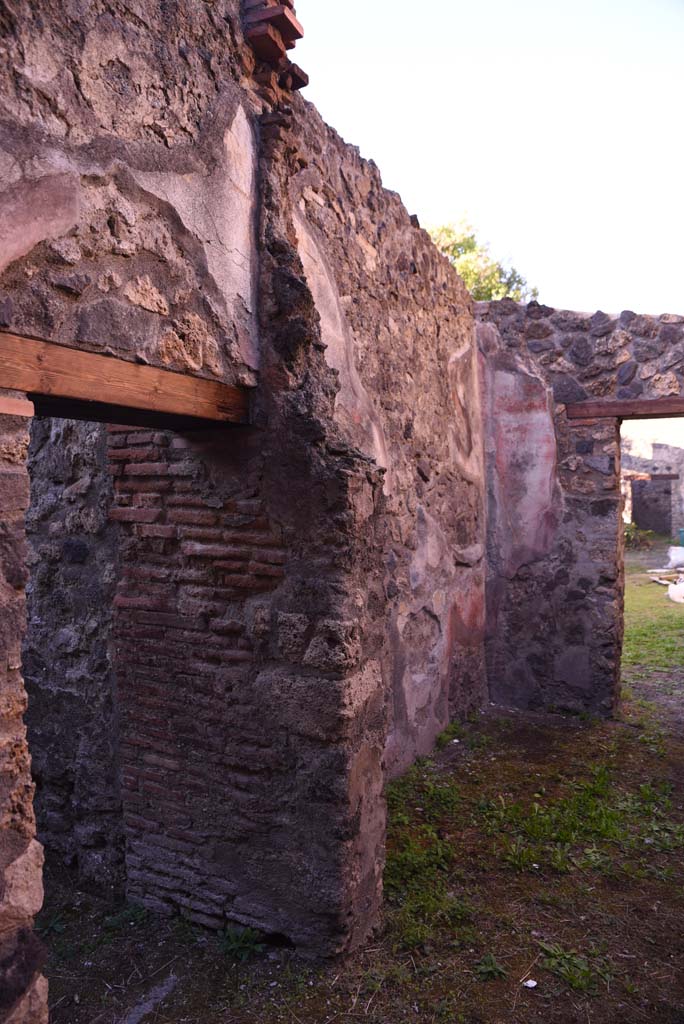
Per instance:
{"type": "Point", "coordinates": [432, 551]}
{"type": "Point", "coordinates": [219, 209]}
{"type": "Point", "coordinates": [465, 428]}
{"type": "Point", "coordinates": [10, 169]}
{"type": "Point", "coordinates": [421, 692]}
{"type": "Point", "coordinates": [353, 406]}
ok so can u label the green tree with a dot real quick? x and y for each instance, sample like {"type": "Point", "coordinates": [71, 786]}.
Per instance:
{"type": "Point", "coordinates": [485, 278]}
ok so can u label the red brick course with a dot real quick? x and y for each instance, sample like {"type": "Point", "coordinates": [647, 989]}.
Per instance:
{"type": "Point", "coordinates": [193, 561]}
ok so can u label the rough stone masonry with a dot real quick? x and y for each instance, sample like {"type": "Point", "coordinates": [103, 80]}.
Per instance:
{"type": "Point", "coordinates": [276, 614]}
{"type": "Point", "coordinates": [234, 637]}
{"type": "Point", "coordinates": [555, 568]}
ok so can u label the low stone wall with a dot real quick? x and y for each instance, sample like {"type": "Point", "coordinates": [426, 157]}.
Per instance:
{"type": "Point", "coordinates": [554, 597]}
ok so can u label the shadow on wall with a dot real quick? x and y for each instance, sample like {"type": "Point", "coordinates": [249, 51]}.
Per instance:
{"type": "Point", "coordinates": [72, 717]}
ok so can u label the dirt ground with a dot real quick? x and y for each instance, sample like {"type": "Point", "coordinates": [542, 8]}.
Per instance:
{"type": "Point", "coordinates": [528, 849]}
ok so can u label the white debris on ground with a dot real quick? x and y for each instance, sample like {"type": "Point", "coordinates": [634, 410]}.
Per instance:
{"type": "Point", "coordinates": [676, 558]}
{"type": "Point", "coordinates": [671, 576]}
{"type": "Point", "coordinates": [675, 592]}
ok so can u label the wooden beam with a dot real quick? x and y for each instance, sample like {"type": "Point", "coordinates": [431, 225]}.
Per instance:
{"type": "Point", "coordinates": [68, 382]}
{"type": "Point", "coordinates": [16, 407]}
{"type": "Point", "coordinates": [626, 408]}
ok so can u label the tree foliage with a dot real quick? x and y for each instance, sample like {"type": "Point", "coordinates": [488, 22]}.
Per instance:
{"type": "Point", "coordinates": [486, 278]}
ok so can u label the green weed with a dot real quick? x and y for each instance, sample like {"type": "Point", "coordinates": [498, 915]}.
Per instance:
{"type": "Point", "coordinates": [452, 732]}
{"type": "Point", "coordinates": [489, 968]}
{"type": "Point", "coordinates": [521, 856]}
{"type": "Point", "coordinates": [416, 859]}
{"type": "Point", "coordinates": [653, 739]}
{"type": "Point", "coordinates": [560, 858]}
{"type": "Point", "coordinates": [577, 971]}
{"type": "Point", "coordinates": [241, 943]}
{"type": "Point", "coordinates": [433, 796]}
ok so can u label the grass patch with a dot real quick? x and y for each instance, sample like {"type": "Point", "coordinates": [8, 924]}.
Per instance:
{"type": "Point", "coordinates": [583, 829]}
{"type": "Point", "coordinates": [419, 857]}
{"type": "Point", "coordinates": [591, 825]}
{"type": "Point", "coordinates": [454, 731]}
{"type": "Point", "coordinates": [580, 973]}
{"type": "Point", "coordinates": [654, 626]}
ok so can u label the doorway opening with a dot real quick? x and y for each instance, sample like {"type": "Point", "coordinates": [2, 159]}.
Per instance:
{"type": "Point", "coordinates": [652, 484]}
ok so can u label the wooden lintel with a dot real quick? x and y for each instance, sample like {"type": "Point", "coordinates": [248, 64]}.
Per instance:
{"type": "Point", "coordinates": [69, 382]}
{"type": "Point", "coordinates": [16, 407]}
{"type": "Point", "coordinates": [626, 408]}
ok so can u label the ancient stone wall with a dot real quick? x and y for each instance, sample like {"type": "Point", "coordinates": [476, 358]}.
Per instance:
{"type": "Point", "coordinates": [127, 183]}
{"type": "Point", "coordinates": [554, 592]}
{"type": "Point", "coordinates": [128, 223]}
{"type": "Point", "coordinates": [72, 715]}
{"type": "Point", "coordinates": [652, 505]}
{"type": "Point", "coordinates": [276, 556]}
{"type": "Point", "coordinates": [252, 725]}
{"type": "Point", "coordinates": [299, 603]}
{"type": "Point", "coordinates": [398, 331]}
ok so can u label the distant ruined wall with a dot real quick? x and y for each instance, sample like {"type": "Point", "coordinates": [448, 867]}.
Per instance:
{"type": "Point", "coordinates": [652, 505]}
{"type": "Point", "coordinates": [554, 591]}
{"type": "Point", "coordinates": [665, 459]}
{"type": "Point", "coordinates": [398, 331]}
{"type": "Point", "coordinates": [73, 716]}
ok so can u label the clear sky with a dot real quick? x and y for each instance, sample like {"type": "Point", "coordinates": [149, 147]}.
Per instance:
{"type": "Point", "coordinates": [555, 127]}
